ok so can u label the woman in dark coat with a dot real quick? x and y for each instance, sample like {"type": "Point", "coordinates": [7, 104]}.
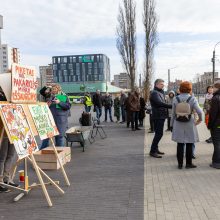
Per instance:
{"type": "Point", "coordinates": [127, 109]}
{"type": "Point", "coordinates": [117, 108]}
{"type": "Point", "coordinates": [214, 125]}
{"type": "Point", "coordinates": [142, 112]}
{"type": "Point", "coordinates": [59, 105]}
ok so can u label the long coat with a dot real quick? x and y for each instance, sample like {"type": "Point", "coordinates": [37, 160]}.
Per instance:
{"type": "Point", "coordinates": [117, 107]}
{"type": "Point", "coordinates": [185, 132]}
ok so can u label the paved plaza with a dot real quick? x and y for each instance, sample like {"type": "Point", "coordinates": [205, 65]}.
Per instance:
{"type": "Point", "coordinates": [115, 179]}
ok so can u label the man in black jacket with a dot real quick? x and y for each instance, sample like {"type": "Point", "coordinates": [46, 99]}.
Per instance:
{"type": "Point", "coordinates": [159, 114]}
{"type": "Point", "coordinates": [97, 101]}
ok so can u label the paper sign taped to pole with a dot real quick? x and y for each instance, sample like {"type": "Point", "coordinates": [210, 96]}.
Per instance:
{"type": "Point", "coordinates": [18, 129]}
{"type": "Point", "coordinates": [24, 84]}
{"type": "Point", "coordinates": [43, 120]}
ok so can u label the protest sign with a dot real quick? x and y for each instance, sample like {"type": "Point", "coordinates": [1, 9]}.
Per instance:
{"type": "Point", "coordinates": [43, 120]}
{"type": "Point", "coordinates": [18, 129]}
{"type": "Point", "coordinates": [24, 84]}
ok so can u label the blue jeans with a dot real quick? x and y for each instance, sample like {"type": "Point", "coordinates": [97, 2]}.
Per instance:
{"type": "Point", "coordinates": [158, 128]}
{"type": "Point", "coordinates": [98, 112]}
{"type": "Point", "coordinates": [123, 113]}
{"type": "Point", "coordinates": [108, 109]}
{"type": "Point", "coordinates": [134, 119]}
{"type": "Point", "coordinates": [59, 142]}
{"type": "Point", "coordinates": [87, 108]}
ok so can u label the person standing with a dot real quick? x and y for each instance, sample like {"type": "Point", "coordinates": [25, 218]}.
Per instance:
{"type": "Point", "coordinates": [59, 105]}
{"type": "Point", "coordinates": [183, 125]}
{"type": "Point", "coordinates": [142, 112]}
{"type": "Point", "coordinates": [206, 107]}
{"type": "Point", "coordinates": [97, 102]}
{"type": "Point", "coordinates": [159, 115]}
{"type": "Point", "coordinates": [108, 103]}
{"type": "Point", "coordinates": [170, 97]}
{"type": "Point", "coordinates": [128, 110]}
{"type": "Point", "coordinates": [88, 102]}
{"type": "Point", "coordinates": [117, 108]}
{"type": "Point", "coordinates": [214, 125]}
{"type": "Point", "coordinates": [122, 104]}
{"type": "Point", "coordinates": [134, 103]}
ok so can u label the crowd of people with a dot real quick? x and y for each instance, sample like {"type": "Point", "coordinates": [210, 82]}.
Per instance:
{"type": "Point", "coordinates": [183, 113]}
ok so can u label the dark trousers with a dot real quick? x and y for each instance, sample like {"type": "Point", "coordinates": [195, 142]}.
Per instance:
{"type": "Point", "coordinates": [134, 120]}
{"type": "Point", "coordinates": [151, 122]}
{"type": "Point", "coordinates": [168, 123]}
{"type": "Point", "coordinates": [108, 109]}
{"type": "Point", "coordinates": [180, 153]}
{"type": "Point", "coordinates": [215, 134]}
{"type": "Point", "coordinates": [158, 128]}
{"type": "Point", "coordinates": [123, 113]}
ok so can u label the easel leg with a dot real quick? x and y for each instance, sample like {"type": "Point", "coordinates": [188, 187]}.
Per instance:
{"type": "Point", "coordinates": [41, 180]}
{"type": "Point", "coordinates": [61, 165]}
{"type": "Point", "coordinates": [52, 182]}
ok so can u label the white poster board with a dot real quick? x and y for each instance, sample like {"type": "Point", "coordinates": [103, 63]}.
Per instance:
{"type": "Point", "coordinates": [24, 84]}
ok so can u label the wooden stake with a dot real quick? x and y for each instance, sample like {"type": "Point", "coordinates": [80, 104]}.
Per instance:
{"type": "Point", "coordinates": [52, 182]}
{"type": "Point", "coordinates": [61, 165]}
{"type": "Point", "coordinates": [41, 180]}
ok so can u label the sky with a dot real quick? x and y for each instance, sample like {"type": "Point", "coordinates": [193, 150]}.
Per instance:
{"type": "Point", "coordinates": [187, 30]}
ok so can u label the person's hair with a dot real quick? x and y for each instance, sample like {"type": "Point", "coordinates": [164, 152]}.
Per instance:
{"type": "Point", "coordinates": [217, 84]}
{"type": "Point", "coordinates": [208, 87]}
{"type": "Point", "coordinates": [185, 87]}
{"type": "Point", "coordinates": [158, 81]}
{"type": "Point", "coordinates": [57, 86]}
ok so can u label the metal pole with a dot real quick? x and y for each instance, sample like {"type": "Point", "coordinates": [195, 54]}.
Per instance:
{"type": "Point", "coordinates": [213, 67]}
{"type": "Point", "coordinates": [168, 79]}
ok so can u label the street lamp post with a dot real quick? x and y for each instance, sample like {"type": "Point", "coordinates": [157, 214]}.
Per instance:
{"type": "Point", "coordinates": [213, 63]}
{"type": "Point", "coordinates": [169, 76]}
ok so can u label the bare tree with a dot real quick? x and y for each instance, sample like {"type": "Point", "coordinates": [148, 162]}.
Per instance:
{"type": "Point", "coordinates": [150, 22]}
{"type": "Point", "coordinates": [126, 38]}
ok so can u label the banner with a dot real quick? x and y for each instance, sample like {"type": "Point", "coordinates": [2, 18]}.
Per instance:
{"type": "Point", "coordinates": [18, 129]}
{"type": "Point", "coordinates": [24, 84]}
{"type": "Point", "coordinates": [43, 120]}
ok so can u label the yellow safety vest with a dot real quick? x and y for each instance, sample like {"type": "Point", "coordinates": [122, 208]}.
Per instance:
{"type": "Point", "coordinates": [88, 101]}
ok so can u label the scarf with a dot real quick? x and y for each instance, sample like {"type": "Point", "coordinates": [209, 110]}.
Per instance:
{"type": "Point", "coordinates": [208, 96]}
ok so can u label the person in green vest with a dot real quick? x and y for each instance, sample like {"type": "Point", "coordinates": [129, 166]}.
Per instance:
{"type": "Point", "coordinates": [117, 108]}
{"type": "Point", "coordinates": [88, 102]}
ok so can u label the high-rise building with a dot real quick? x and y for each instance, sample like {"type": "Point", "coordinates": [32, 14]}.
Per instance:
{"type": "Point", "coordinates": [8, 55]}
{"type": "Point", "coordinates": [81, 68]}
{"type": "Point", "coordinates": [1, 27]}
{"type": "Point", "coordinates": [46, 75]}
{"type": "Point", "coordinates": [122, 80]}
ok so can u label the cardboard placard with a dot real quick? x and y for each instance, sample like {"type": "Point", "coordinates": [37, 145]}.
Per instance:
{"type": "Point", "coordinates": [18, 129]}
{"type": "Point", "coordinates": [24, 84]}
{"type": "Point", "coordinates": [43, 120]}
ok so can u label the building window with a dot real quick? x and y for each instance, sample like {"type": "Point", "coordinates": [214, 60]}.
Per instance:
{"type": "Point", "coordinates": [4, 52]}
{"type": "Point", "coordinates": [90, 71]}
{"type": "Point", "coordinates": [66, 78]}
{"type": "Point", "coordinates": [74, 59]}
{"type": "Point", "coordinates": [101, 65]}
{"type": "Point", "coordinates": [54, 66]}
{"type": "Point", "coordinates": [100, 58]}
{"type": "Point", "coordinates": [101, 77]}
{"type": "Point", "coordinates": [70, 66]}
{"type": "Point", "coordinates": [77, 69]}
{"type": "Point", "coordinates": [80, 59]}
{"type": "Point", "coordinates": [95, 77]}
{"type": "Point", "coordinates": [63, 66]}
{"type": "Point", "coordinates": [71, 59]}
{"type": "Point", "coordinates": [74, 78]}
{"type": "Point", "coordinates": [71, 72]}
{"type": "Point", "coordinates": [89, 65]}
{"type": "Point", "coordinates": [65, 73]}
{"type": "Point", "coordinates": [63, 59]}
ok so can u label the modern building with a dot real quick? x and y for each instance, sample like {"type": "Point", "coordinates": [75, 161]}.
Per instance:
{"type": "Point", "coordinates": [75, 72]}
{"type": "Point", "coordinates": [8, 56]}
{"type": "Point", "coordinates": [46, 75]}
{"type": "Point", "coordinates": [122, 80]}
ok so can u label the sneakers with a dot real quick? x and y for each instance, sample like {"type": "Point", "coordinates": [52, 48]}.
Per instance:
{"type": "Point", "coordinates": [189, 166]}
{"type": "Point", "coordinates": [155, 155]}
{"type": "Point", "coordinates": [12, 184]}
{"type": "Point", "coordinates": [4, 189]}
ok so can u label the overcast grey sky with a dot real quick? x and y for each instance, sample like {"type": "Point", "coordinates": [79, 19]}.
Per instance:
{"type": "Point", "coordinates": [188, 31]}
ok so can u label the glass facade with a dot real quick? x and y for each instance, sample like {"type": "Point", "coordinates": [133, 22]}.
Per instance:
{"type": "Point", "coordinates": [81, 68]}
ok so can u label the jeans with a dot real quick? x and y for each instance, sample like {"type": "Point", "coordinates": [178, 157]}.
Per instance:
{"type": "Point", "coordinates": [7, 159]}
{"type": "Point", "coordinates": [134, 120]}
{"type": "Point", "coordinates": [215, 134]}
{"type": "Point", "coordinates": [59, 142]}
{"type": "Point", "coordinates": [87, 108]}
{"type": "Point", "coordinates": [123, 113]}
{"type": "Point", "coordinates": [158, 128]}
{"type": "Point", "coordinates": [180, 153]}
{"type": "Point", "coordinates": [98, 112]}
{"type": "Point", "coordinates": [108, 109]}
